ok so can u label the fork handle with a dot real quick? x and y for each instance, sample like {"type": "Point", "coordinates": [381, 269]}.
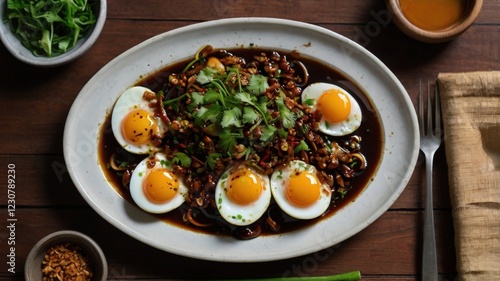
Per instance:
{"type": "Point", "coordinates": [429, 257]}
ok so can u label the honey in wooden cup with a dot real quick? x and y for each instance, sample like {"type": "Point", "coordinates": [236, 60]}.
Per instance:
{"type": "Point", "coordinates": [434, 21]}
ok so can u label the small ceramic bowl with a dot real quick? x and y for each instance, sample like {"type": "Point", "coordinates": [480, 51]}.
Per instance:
{"type": "Point", "coordinates": [15, 47]}
{"type": "Point", "coordinates": [88, 247]}
{"type": "Point", "coordinates": [472, 10]}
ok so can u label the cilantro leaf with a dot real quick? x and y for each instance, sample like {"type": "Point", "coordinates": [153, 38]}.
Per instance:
{"type": "Point", "coordinates": [227, 140]}
{"type": "Point", "coordinates": [231, 117]}
{"type": "Point", "coordinates": [287, 116]}
{"type": "Point", "coordinates": [262, 107]}
{"type": "Point", "coordinates": [257, 84]}
{"type": "Point", "coordinates": [268, 133]}
{"type": "Point", "coordinates": [198, 116]}
{"type": "Point", "coordinates": [197, 99]}
{"type": "Point", "coordinates": [206, 75]}
{"type": "Point", "coordinates": [182, 159]}
{"type": "Point", "coordinates": [250, 116]}
{"type": "Point", "coordinates": [244, 98]}
{"type": "Point", "coordinates": [211, 113]}
{"type": "Point", "coordinates": [211, 96]}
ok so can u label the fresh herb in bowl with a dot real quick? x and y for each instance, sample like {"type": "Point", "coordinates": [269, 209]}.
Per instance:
{"type": "Point", "coordinates": [50, 27]}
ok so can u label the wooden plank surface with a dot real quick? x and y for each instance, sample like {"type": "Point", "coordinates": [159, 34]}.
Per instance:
{"type": "Point", "coordinates": [390, 241]}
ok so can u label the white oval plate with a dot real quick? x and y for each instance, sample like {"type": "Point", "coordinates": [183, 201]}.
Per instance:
{"type": "Point", "coordinates": [94, 102]}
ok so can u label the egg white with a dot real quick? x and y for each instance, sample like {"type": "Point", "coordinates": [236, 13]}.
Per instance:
{"type": "Point", "coordinates": [314, 91]}
{"type": "Point", "coordinates": [279, 183]}
{"type": "Point", "coordinates": [234, 213]}
{"type": "Point", "coordinates": [128, 101]}
{"type": "Point", "coordinates": [137, 187]}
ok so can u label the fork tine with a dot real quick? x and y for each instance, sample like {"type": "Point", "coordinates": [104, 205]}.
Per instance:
{"type": "Point", "coordinates": [429, 110]}
{"type": "Point", "coordinates": [421, 109]}
{"type": "Point", "coordinates": [437, 111]}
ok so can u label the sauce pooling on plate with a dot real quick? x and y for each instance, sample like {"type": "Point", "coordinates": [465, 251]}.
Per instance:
{"type": "Point", "coordinates": [196, 152]}
{"type": "Point", "coordinates": [433, 15]}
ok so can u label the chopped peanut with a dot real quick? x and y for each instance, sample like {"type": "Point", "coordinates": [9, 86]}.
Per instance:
{"type": "Point", "coordinates": [65, 262]}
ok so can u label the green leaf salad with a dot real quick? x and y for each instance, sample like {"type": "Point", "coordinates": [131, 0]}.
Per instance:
{"type": "Point", "coordinates": [52, 27]}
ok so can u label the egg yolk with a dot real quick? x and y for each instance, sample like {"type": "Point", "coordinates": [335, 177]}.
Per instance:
{"type": "Point", "coordinates": [138, 127]}
{"type": "Point", "coordinates": [161, 185]}
{"type": "Point", "coordinates": [303, 189]}
{"type": "Point", "coordinates": [244, 186]}
{"type": "Point", "coordinates": [334, 105]}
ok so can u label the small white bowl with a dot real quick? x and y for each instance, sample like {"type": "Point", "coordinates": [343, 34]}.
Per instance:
{"type": "Point", "coordinates": [12, 43]}
{"type": "Point", "coordinates": [33, 264]}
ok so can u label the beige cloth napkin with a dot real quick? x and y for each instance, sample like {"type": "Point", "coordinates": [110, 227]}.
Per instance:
{"type": "Point", "coordinates": [470, 105]}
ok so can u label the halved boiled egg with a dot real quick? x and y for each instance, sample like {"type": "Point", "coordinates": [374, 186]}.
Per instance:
{"type": "Point", "coordinates": [341, 114]}
{"type": "Point", "coordinates": [242, 195]}
{"type": "Point", "coordinates": [299, 192]}
{"type": "Point", "coordinates": [133, 121]}
{"type": "Point", "coordinates": [154, 186]}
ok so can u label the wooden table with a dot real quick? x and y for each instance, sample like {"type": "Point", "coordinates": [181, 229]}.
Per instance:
{"type": "Point", "coordinates": [34, 104]}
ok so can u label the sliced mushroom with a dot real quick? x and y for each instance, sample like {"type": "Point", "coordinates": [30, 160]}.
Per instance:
{"type": "Point", "coordinates": [188, 217]}
{"type": "Point", "coordinates": [112, 163]}
{"type": "Point", "coordinates": [362, 160]}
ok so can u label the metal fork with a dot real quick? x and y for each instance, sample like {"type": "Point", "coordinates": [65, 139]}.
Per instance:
{"type": "Point", "coordinates": [430, 140]}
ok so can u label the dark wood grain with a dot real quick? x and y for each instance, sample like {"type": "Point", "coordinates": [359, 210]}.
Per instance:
{"type": "Point", "coordinates": [313, 11]}
{"type": "Point", "coordinates": [390, 241]}
{"type": "Point", "coordinates": [35, 102]}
